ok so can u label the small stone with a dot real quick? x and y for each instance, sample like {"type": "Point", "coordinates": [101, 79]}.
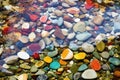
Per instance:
{"type": "Point", "coordinates": [53, 53]}
{"type": "Point", "coordinates": [117, 73]}
{"type": "Point", "coordinates": [23, 77]}
{"type": "Point", "coordinates": [65, 32]}
{"type": "Point", "coordinates": [12, 78]}
{"type": "Point", "coordinates": [114, 61]}
{"type": "Point", "coordinates": [68, 18]}
{"type": "Point", "coordinates": [48, 27]}
{"type": "Point", "coordinates": [67, 54]}
{"type": "Point", "coordinates": [60, 69]}
{"type": "Point", "coordinates": [80, 56]}
{"type": "Point", "coordinates": [42, 44]}
{"type": "Point", "coordinates": [73, 45]}
{"type": "Point", "coordinates": [25, 66]}
{"type": "Point", "coordinates": [100, 46]}
{"type": "Point", "coordinates": [71, 35]}
{"type": "Point", "coordinates": [58, 33]}
{"type": "Point", "coordinates": [60, 21]}
{"type": "Point", "coordinates": [1, 50]}
{"type": "Point", "coordinates": [76, 76]}
{"type": "Point", "coordinates": [114, 14]}
{"type": "Point", "coordinates": [24, 39]}
{"type": "Point", "coordinates": [33, 69]}
{"type": "Point", "coordinates": [98, 19]}
{"type": "Point", "coordinates": [36, 55]}
{"type": "Point", "coordinates": [11, 59]}
{"type": "Point", "coordinates": [43, 18]}
{"type": "Point", "coordinates": [23, 55]}
{"type": "Point", "coordinates": [105, 54]}
{"type": "Point", "coordinates": [70, 2]}
{"type": "Point", "coordinates": [47, 40]}
{"type": "Point", "coordinates": [88, 47]}
{"type": "Point", "coordinates": [32, 36]}
{"type": "Point", "coordinates": [66, 78]}
{"type": "Point", "coordinates": [6, 66]}
{"type": "Point", "coordinates": [95, 64]}
{"type": "Point", "coordinates": [82, 67]}
{"type": "Point", "coordinates": [44, 33]}
{"type": "Point", "coordinates": [42, 77]}
{"type": "Point", "coordinates": [25, 25]}
{"type": "Point", "coordinates": [58, 12]}
{"type": "Point", "coordinates": [34, 47]}
{"type": "Point", "coordinates": [39, 63]}
{"type": "Point", "coordinates": [83, 36]}
{"type": "Point", "coordinates": [55, 65]}
{"type": "Point", "coordinates": [96, 55]}
{"type": "Point", "coordinates": [105, 67]}
{"type": "Point", "coordinates": [100, 37]}
{"type": "Point", "coordinates": [73, 10]}
{"type": "Point", "coordinates": [62, 62]}
{"type": "Point", "coordinates": [48, 59]}
{"type": "Point", "coordinates": [89, 74]}
{"type": "Point", "coordinates": [79, 27]}
{"type": "Point", "coordinates": [65, 5]}
{"type": "Point", "coordinates": [68, 24]}
{"type": "Point", "coordinates": [40, 72]}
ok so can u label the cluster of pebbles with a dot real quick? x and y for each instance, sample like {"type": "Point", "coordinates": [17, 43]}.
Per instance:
{"type": "Point", "coordinates": [61, 40]}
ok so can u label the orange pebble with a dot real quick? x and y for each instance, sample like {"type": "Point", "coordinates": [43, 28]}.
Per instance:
{"type": "Point", "coordinates": [62, 62]}
{"type": "Point", "coordinates": [117, 73]}
{"type": "Point", "coordinates": [95, 64]}
{"type": "Point", "coordinates": [43, 19]}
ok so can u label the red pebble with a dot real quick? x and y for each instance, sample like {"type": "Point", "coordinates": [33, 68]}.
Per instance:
{"type": "Point", "coordinates": [95, 64]}
{"type": "Point", "coordinates": [43, 19]}
{"type": "Point", "coordinates": [5, 30]}
{"type": "Point", "coordinates": [89, 4]}
{"type": "Point", "coordinates": [36, 56]}
{"type": "Point", "coordinates": [33, 17]}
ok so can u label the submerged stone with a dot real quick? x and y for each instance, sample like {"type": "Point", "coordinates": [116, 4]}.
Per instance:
{"type": "Point", "coordinates": [55, 65]}
{"type": "Point", "coordinates": [82, 67]}
{"type": "Point", "coordinates": [114, 61]}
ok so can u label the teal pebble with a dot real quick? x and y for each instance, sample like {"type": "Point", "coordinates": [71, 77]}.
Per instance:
{"type": "Point", "coordinates": [53, 53]}
{"type": "Point", "coordinates": [55, 65]}
{"type": "Point", "coordinates": [82, 67]}
{"type": "Point", "coordinates": [114, 61]}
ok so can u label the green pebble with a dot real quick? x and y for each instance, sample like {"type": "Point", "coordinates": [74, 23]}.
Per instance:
{"type": "Point", "coordinates": [12, 78]}
{"type": "Point", "coordinates": [100, 46]}
{"type": "Point", "coordinates": [25, 66]}
{"type": "Point", "coordinates": [55, 65]}
{"type": "Point", "coordinates": [53, 53]}
{"type": "Point", "coordinates": [74, 68]}
{"type": "Point", "coordinates": [96, 55]}
{"type": "Point", "coordinates": [33, 69]}
{"type": "Point", "coordinates": [82, 67]}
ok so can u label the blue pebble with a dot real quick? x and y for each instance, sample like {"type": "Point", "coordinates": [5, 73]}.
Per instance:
{"type": "Point", "coordinates": [60, 21]}
{"type": "Point", "coordinates": [50, 47]}
{"type": "Point", "coordinates": [82, 67]}
{"type": "Point", "coordinates": [19, 44]}
{"type": "Point", "coordinates": [42, 77]}
{"type": "Point", "coordinates": [73, 45]}
{"type": "Point", "coordinates": [29, 52]}
{"type": "Point", "coordinates": [55, 65]}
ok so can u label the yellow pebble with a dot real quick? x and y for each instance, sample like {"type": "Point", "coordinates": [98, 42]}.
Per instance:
{"type": "Point", "coordinates": [39, 63]}
{"type": "Point", "coordinates": [80, 56]}
{"type": "Point", "coordinates": [60, 69]}
{"type": "Point", "coordinates": [66, 78]}
{"type": "Point", "coordinates": [48, 59]}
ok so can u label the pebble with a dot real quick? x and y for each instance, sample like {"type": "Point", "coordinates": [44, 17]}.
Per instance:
{"type": "Point", "coordinates": [76, 76]}
{"type": "Point", "coordinates": [70, 2]}
{"type": "Point", "coordinates": [39, 63]}
{"type": "Point", "coordinates": [23, 77]}
{"type": "Point", "coordinates": [98, 19]}
{"type": "Point", "coordinates": [117, 73]}
{"type": "Point", "coordinates": [42, 44]}
{"type": "Point", "coordinates": [11, 59]}
{"type": "Point", "coordinates": [73, 46]}
{"type": "Point", "coordinates": [55, 65]}
{"type": "Point", "coordinates": [40, 72]}
{"type": "Point", "coordinates": [44, 33]}
{"type": "Point", "coordinates": [105, 54]}
{"type": "Point", "coordinates": [89, 74]}
{"type": "Point", "coordinates": [42, 77]}
{"type": "Point", "coordinates": [79, 27]}
{"type": "Point", "coordinates": [23, 55]}
{"type": "Point", "coordinates": [95, 64]}
{"type": "Point", "coordinates": [82, 67]}
{"type": "Point", "coordinates": [32, 36]}
{"type": "Point", "coordinates": [73, 10]}
{"type": "Point", "coordinates": [25, 66]}
{"type": "Point", "coordinates": [68, 24]}
{"type": "Point", "coordinates": [33, 69]}
{"type": "Point", "coordinates": [53, 53]}
{"type": "Point", "coordinates": [58, 12]}
{"type": "Point", "coordinates": [65, 32]}
{"type": "Point", "coordinates": [43, 18]}
{"type": "Point", "coordinates": [80, 56]}
{"type": "Point", "coordinates": [48, 59]}
{"type": "Point", "coordinates": [67, 54]}
{"type": "Point", "coordinates": [114, 61]}
{"type": "Point", "coordinates": [25, 25]}
{"type": "Point", "coordinates": [24, 39]}
{"type": "Point", "coordinates": [100, 46]}
{"type": "Point", "coordinates": [88, 47]}
{"type": "Point", "coordinates": [58, 33]}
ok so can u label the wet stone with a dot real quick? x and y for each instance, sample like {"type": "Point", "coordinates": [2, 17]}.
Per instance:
{"type": "Point", "coordinates": [42, 77]}
{"type": "Point", "coordinates": [114, 61]}
{"type": "Point", "coordinates": [11, 59]}
{"type": "Point", "coordinates": [82, 67]}
{"type": "Point", "coordinates": [54, 65]}
{"type": "Point", "coordinates": [87, 47]}
{"type": "Point", "coordinates": [79, 27]}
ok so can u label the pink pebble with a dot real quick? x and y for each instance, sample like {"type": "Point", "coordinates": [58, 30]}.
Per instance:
{"type": "Point", "coordinates": [43, 19]}
{"type": "Point", "coordinates": [33, 17]}
{"type": "Point", "coordinates": [48, 27]}
{"type": "Point", "coordinates": [96, 28]}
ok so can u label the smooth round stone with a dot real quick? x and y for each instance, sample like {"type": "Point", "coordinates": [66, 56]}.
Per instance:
{"type": "Point", "coordinates": [87, 47]}
{"type": "Point", "coordinates": [76, 76]}
{"type": "Point", "coordinates": [25, 25]}
{"type": "Point", "coordinates": [67, 54]}
{"type": "Point", "coordinates": [34, 47]}
{"type": "Point", "coordinates": [42, 44]}
{"type": "Point", "coordinates": [80, 56]}
{"type": "Point", "coordinates": [42, 77]}
{"type": "Point", "coordinates": [100, 37]}
{"type": "Point", "coordinates": [43, 18]}
{"type": "Point", "coordinates": [39, 63]}
{"type": "Point", "coordinates": [70, 2]}
{"type": "Point", "coordinates": [100, 46]}
{"type": "Point", "coordinates": [24, 39]}
{"type": "Point", "coordinates": [73, 46]}
{"type": "Point", "coordinates": [82, 67]}
{"type": "Point", "coordinates": [40, 71]}
{"type": "Point", "coordinates": [53, 53]}
{"type": "Point", "coordinates": [65, 5]}
{"type": "Point", "coordinates": [23, 77]}
{"type": "Point", "coordinates": [114, 61]}
{"type": "Point", "coordinates": [11, 59]}
{"type": "Point", "coordinates": [6, 66]}
{"type": "Point", "coordinates": [105, 54]}
{"type": "Point", "coordinates": [33, 69]}
{"type": "Point", "coordinates": [79, 27]}
{"type": "Point", "coordinates": [68, 24]}
{"type": "Point", "coordinates": [98, 19]}
{"type": "Point", "coordinates": [73, 10]}
{"type": "Point", "coordinates": [44, 33]}
{"type": "Point", "coordinates": [105, 67]}
{"type": "Point", "coordinates": [65, 32]}
{"type": "Point", "coordinates": [89, 74]}
{"type": "Point", "coordinates": [117, 73]}
{"type": "Point", "coordinates": [71, 35]}
{"type": "Point", "coordinates": [47, 59]}
{"type": "Point", "coordinates": [25, 66]}
{"type": "Point", "coordinates": [32, 36]}
{"type": "Point", "coordinates": [47, 40]}
{"type": "Point", "coordinates": [55, 65]}
{"type": "Point", "coordinates": [23, 55]}
{"type": "Point", "coordinates": [83, 36]}
{"type": "Point", "coordinates": [58, 12]}
{"type": "Point", "coordinates": [95, 64]}
{"type": "Point", "coordinates": [60, 21]}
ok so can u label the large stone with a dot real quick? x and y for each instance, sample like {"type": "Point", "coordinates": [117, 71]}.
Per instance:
{"type": "Point", "coordinates": [11, 59]}
{"type": "Point", "coordinates": [89, 74]}
{"type": "Point", "coordinates": [79, 27]}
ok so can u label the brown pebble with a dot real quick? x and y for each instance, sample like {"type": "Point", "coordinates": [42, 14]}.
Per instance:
{"type": "Point", "coordinates": [117, 73]}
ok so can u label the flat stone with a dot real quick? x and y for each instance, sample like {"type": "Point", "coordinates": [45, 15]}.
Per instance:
{"type": "Point", "coordinates": [79, 27]}
{"type": "Point", "coordinates": [100, 46]}
{"type": "Point", "coordinates": [25, 66]}
{"type": "Point", "coordinates": [89, 74]}
{"type": "Point", "coordinates": [87, 47]}
{"type": "Point", "coordinates": [11, 59]}
{"type": "Point", "coordinates": [68, 24]}
{"type": "Point", "coordinates": [44, 33]}
{"type": "Point", "coordinates": [73, 10]}
{"type": "Point", "coordinates": [55, 65]}
{"type": "Point", "coordinates": [114, 61]}
{"type": "Point", "coordinates": [33, 69]}
{"type": "Point", "coordinates": [98, 19]}
{"type": "Point", "coordinates": [23, 55]}
{"type": "Point", "coordinates": [83, 36]}
{"type": "Point", "coordinates": [82, 67]}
